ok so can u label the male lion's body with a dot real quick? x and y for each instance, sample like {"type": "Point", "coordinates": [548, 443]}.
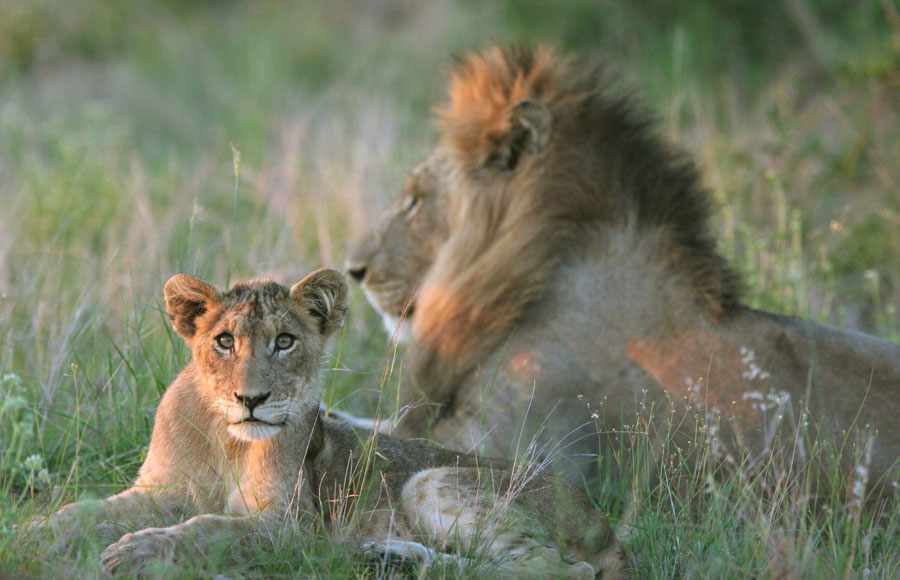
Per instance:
{"type": "Point", "coordinates": [553, 252]}
{"type": "Point", "coordinates": [239, 443]}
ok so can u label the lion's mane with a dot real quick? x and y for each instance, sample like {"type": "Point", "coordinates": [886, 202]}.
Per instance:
{"type": "Point", "coordinates": [544, 149]}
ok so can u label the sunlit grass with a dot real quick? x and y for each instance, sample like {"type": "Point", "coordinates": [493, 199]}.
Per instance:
{"type": "Point", "coordinates": [116, 171]}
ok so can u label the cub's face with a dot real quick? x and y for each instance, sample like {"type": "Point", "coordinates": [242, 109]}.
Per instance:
{"type": "Point", "coordinates": [258, 347]}
{"type": "Point", "coordinates": [391, 261]}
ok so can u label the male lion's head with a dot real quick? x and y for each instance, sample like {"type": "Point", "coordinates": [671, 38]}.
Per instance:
{"type": "Point", "coordinates": [535, 155]}
{"type": "Point", "coordinates": [391, 260]}
{"type": "Point", "coordinates": [257, 348]}
{"type": "Point", "coordinates": [489, 125]}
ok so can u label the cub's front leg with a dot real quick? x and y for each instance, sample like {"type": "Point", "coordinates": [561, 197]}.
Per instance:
{"type": "Point", "coordinates": [106, 520]}
{"type": "Point", "coordinates": [253, 519]}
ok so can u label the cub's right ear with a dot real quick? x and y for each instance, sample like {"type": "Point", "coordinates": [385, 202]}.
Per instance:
{"type": "Point", "coordinates": [186, 299]}
{"type": "Point", "coordinates": [324, 296]}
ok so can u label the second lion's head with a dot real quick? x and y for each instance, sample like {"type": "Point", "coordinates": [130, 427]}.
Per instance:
{"type": "Point", "coordinates": [496, 127]}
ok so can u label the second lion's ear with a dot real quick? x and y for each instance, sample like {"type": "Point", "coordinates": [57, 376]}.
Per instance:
{"type": "Point", "coordinates": [186, 299]}
{"type": "Point", "coordinates": [528, 131]}
{"type": "Point", "coordinates": [324, 295]}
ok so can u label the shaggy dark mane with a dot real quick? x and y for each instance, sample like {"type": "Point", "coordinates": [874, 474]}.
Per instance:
{"type": "Point", "coordinates": [600, 163]}
{"type": "Point", "coordinates": [658, 181]}
{"type": "Point", "coordinates": [631, 167]}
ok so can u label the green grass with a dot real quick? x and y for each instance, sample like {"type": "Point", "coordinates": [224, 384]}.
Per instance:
{"type": "Point", "coordinates": [117, 122]}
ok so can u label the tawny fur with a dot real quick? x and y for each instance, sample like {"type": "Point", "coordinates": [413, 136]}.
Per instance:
{"type": "Point", "coordinates": [239, 443]}
{"type": "Point", "coordinates": [567, 258]}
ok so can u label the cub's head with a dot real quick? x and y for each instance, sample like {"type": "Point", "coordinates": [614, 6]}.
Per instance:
{"type": "Point", "coordinates": [258, 347]}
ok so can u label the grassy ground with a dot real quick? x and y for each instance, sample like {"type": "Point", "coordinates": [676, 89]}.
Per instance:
{"type": "Point", "coordinates": [229, 139]}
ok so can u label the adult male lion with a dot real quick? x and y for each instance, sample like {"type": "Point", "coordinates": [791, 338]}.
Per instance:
{"type": "Point", "coordinates": [239, 443]}
{"type": "Point", "coordinates": [553, 251]}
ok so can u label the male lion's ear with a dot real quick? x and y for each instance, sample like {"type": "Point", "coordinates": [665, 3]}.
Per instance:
{"type": "Point", "coordinates": [324, 294]}
{"type": "Point", "coordinates": [530, 125]}
{"type": "Point", "coordinates": [186, 299]}
{"type": "Point", "coordinates": [537, 120]}
{"type": "Point", "coordinates": [499, 105]}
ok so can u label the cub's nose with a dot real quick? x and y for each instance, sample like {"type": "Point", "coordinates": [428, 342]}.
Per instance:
{"type": "Point", "coordinates": [357, 271]}
{"type": "Point", "coordinates": [252, 402]}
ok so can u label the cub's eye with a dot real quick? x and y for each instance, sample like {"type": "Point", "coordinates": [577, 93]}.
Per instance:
{"type": "Point", "coordinates": [225, 341]}
{"type": "Point", "coordinates": [284, 341]}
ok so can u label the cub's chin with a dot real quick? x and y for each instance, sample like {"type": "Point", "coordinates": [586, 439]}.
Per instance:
{"type": "Point", "coordinates": [253, 430]}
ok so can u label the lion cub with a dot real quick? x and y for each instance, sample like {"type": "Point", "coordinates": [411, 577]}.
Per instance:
{"type": "Point", "coordinates": [240, 440]}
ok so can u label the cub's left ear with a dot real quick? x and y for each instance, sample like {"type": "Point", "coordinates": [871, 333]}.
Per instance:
{"type": "Point", "coordinates": [530, 126]}
{"type": "Point", "coordinates": [323, 294]}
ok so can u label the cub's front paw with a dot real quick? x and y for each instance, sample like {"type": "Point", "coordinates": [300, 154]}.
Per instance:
{"type": "Point", "coordinates": [133, 552]}
{"type": "Point", "coordinates": [61, 531]}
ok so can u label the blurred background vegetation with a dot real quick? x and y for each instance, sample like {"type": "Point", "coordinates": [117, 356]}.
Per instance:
{"type": "Point", "coordinates": [123, 125]}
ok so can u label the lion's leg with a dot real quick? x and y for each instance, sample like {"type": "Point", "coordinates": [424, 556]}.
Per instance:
{"type": "Point", "coordinates": [452, 508]}
{"type": "Point", "coordinates": [379, 425]}
{"type": "Point", "coordinates": [400, 553]}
